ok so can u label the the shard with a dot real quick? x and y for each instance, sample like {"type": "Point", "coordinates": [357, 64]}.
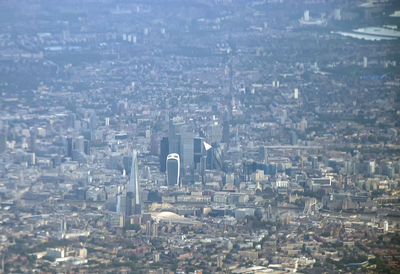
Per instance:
{"type": "Point", "coordinates": [134, 188]}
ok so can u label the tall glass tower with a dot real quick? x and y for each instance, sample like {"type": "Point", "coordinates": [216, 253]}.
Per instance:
{"type": "Point", "coordinates": [187, 148]}
{"type": "Point", "coordinates": [173, 169]}
{"type": "Point", "coordinates": [134, 188]}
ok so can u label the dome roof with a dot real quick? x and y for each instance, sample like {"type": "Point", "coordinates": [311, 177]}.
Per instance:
{"type": "Point", "coordinates": [166, 216]}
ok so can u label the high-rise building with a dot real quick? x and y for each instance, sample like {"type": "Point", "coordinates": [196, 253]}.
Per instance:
{"type": "Point", "coordinates": [225, 131]}
{"type": "Point", "coordinates": [214, 156]}
{"type": "Point", "coordinates": [93, 125]}
{"type": "Point", "coordinates": [69, 147]}
{"type": "Point", "coordinates": [118, 206]}
{"type": "Point", "coordinates": [174, 134]}
{"type": "Point", "coordinates": [32, 139]}
{"type": "Point", "coordinates": [3, 137]}
{"type": "Point", "coordinates": [371, 168]}
{"type": "Point", "coordinates": [296, 93]}
{"type": "Point", "coordinates": [385, 226]}
{"type": "Point", "coordinates": [86, 146]}
{"type": "Point", "coordinates": [63, 226]}
{"type": "Point", "coordinates": [164, 151]}
{"type": "Point", "coordinates": [214, 133]}
{"type": "Point", "coordinates": [187, 148]}
{"type": "Point", "coordinates": [365, 62]}
{"type": "Point", "coordinates": [134, 188]}
{"type": "Point", "coordinates": [173, 169]}
{"type": "Point", "coordinates": [129, 204]}
{"type": "Point", "coordinates": [198, 150]}
{"type": "Point", "coordinates": [63, 229]}
{"type": "Point", "coordinates": [79, 144]}
{"type": "Point", "coordinates": [269, 212]}
{"type": "Point", "coordinates": [148, 228]}
{"type": "Point", "coordinates": [155, 230]}
{"type": "Point", "coordinates": [293, 138]}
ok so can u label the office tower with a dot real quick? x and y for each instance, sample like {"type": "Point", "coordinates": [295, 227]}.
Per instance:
{"type": "Point", "coordinates": [187, 148]}
{"type": "Point", "coordinates": [260, 153]}
{"type": "Point", "coordinates": [174, 134]}
{"type": "Point", "coordinates": [93, 125]}
{"type": "Point", "coordinates": [269, 212]}
{"type": "Point", "coordinates": [63, 225]}
{"type": "Point", "coordinates": [389, 169]}
{"type": "Point", "coordinates": [86, 145]}
{"type": "Point", "coordinates": [164, 151]}
{"type": "Point", "coordinates": [209, 156]}
{"type": "Point", "coordinates": [314, 162]}
{"type": "Point", "coordinates": [32, 139]}
{"type": "Point", "coordinates": [173, 147]}
{"type": "Point", "coordinates": [69, 147]}
{"type": "Point", "coordinates": [198, 150]}
{"type": "Point", "coordinates": [385, 226]}
{"type": "Point", "coordinates": [214, 156]}
{"type": "Point", "coordinates": [63, 229]}
{"type": "Point", "coordinates": [214, 132]}
{"type": "Point", "coordinates": [134, 188]}
{"type": "Point", "coordinates": [371, 168]}
{"type": "Point", "coordinates": [148, 228]}
{"type": "Point", "coordinates": [3, 137]}
{"type": "Point", "coordinates": [266, 156]}
{"type": "Point", "coordinates": [79, 144]}
{"type": "Point", "coordinates": [118, 207]}
{"type": "Point", "coordinates": [225, 132]}
{"type": "Point", "coordinates": [129, 204]}
{"type": "Point", "coordinates": [293, 138]}
{"type": "Point", "coordinates": [173, 169]}
{"type": "Point", "coordinates": [155, 230]}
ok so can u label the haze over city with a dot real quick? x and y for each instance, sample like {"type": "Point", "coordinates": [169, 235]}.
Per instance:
{"type": "Point", "coordinates": [199, 136]}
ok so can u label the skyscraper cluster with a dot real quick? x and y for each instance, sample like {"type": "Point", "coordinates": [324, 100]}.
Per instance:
{"type": "Point", "coordinates": [189, 153]}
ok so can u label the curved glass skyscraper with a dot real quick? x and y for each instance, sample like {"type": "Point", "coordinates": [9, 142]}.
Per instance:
{"type": "Point", "coordinates": [173, 169]}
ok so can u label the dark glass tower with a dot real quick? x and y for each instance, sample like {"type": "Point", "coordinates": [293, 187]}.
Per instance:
{"type": "Point", "coordinates": [173, 169]}
{"type": "Point", "coordinates": [164, 151]}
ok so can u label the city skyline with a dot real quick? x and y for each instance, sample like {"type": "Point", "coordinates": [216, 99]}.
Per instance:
{"type": "Point", "coordinates": [201, 136]}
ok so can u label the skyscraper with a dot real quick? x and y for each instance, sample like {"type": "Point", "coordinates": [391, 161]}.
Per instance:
{"type": "Point", "coordinates": [174, 134]}
{"type": "Point", "coordinates": [3, 137]}
{"type": "Point", "coordinates": [118, 207]}
{"type": "Point", "coordinates": [187, 148]}
{"type": "Point", "coordinates": [225, 131]}
{"type": "Point", "coordinates": [214, 133]}
{"type": "Point", "coordinates": [32, 139]}
{"type": "Point", "coordinates": [69, 147]}
{"type": "Point", "coordinates": [164, 151]}
{"type": "Point", "coordinates": [198, 150]}
{"type": "Point", "coordinates": [134, 188]}
{"type": "Point", "coordinates": [93, 125]}
{"type": "Point", "coordinates": [173, 169]}
{"type": "Point", "coordinates": [214, 156]}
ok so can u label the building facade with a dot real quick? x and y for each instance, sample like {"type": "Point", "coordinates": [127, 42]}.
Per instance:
{"type": "Point", "coordinates": [173, 169]}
